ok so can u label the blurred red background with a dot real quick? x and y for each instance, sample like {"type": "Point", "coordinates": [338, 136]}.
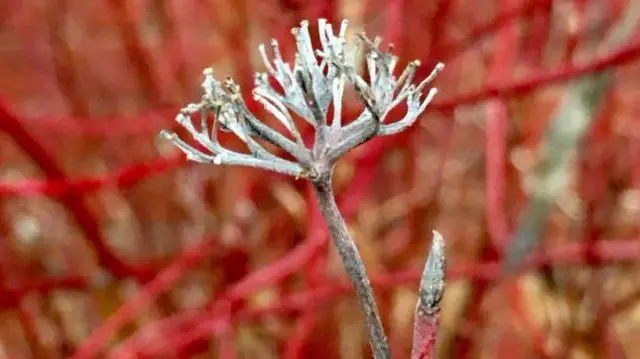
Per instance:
{"type": "Point", "coordinates": [113, 246]}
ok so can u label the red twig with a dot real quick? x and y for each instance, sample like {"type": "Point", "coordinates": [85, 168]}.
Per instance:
{"type": "Point", "coordinates": [424, 335]}
{"type": "Point", "coordinates": [135, 124]}
{"type": "Point", "coordinates": [538, 32]}
{"type": "Point", "coordinates": [203, 324]}
{"type": "Point", "coordinates": [301, 332]}
{"type": "Point", "coordinates": [72, 201]}
{"type": "Point", "coordinates": [502, 19]}
{"type": "Point", "coordinates": [105, 126]}
{"type": "Point", "coordinates": [136, 52]}
{"type": "Point", "coordinates": [563, 73]}
{"type": "Point", "coordinates": [514, 299]}
{"type": "Point", "coordinates": [624, 55]}
{"type": "Point", "coordinates": [162, 282]}
{"type": "Point", "coordinates": [124, 177]}
{"type": "Point", "coordinates": [504, 58]}
{"type": "Point", "coordinates": [65, 59]}
{"type": "Point", "coordinates": [427, 314]}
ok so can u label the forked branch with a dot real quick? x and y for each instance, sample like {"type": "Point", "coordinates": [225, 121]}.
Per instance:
{"type": "Point", "coordinates": [315, 82]}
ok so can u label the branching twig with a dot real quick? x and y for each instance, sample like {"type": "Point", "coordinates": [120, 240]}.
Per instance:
{"type": "Point", "coordinates": [316, 81]}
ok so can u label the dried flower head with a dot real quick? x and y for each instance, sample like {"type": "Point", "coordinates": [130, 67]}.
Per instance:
{"type": "Point", "coordinates": [316, 81]}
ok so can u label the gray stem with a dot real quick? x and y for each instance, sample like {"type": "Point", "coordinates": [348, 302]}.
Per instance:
{"type": "Point", "coordinates": [353, 265]}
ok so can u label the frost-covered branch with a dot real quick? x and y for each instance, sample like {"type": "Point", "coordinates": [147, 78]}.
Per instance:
{"type": "Point", "coordinates": [307, 89]}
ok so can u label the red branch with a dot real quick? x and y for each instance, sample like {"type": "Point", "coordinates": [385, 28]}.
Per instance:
{"type": "Point", "coordinates": [123, 125]}
{"type": "Point", "coordinates": [203, 324]}
{"type": "Point", "coordinates": [161, 283]}
{"type": "Point", "coordinates": [424, 332]}
{"type": "Point", "coordinates": [560, 74]}
{"type": "Point", "coordinates": [72, 201]}
{"type": "Point", "coordinates": [57, 187]}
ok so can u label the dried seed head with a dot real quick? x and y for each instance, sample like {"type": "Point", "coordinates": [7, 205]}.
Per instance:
{"type": "Point", "coordinates": [314, 83]}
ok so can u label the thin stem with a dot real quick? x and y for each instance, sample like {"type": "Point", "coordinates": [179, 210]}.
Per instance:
{"type": "Point", "coordinates": [353, 264]}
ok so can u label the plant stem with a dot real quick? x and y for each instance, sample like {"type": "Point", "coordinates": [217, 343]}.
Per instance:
{"type": "Point", "coordinates": [427, 315]}
{"type": "Point", "coordinates": [353, 265]}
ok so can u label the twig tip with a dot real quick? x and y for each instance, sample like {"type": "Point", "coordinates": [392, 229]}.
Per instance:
{"type": "Point", "coordinates": [432, 282]}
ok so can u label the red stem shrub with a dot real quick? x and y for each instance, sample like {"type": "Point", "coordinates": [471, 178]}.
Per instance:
{"type": "Point", "coordinates": [111, 245]}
